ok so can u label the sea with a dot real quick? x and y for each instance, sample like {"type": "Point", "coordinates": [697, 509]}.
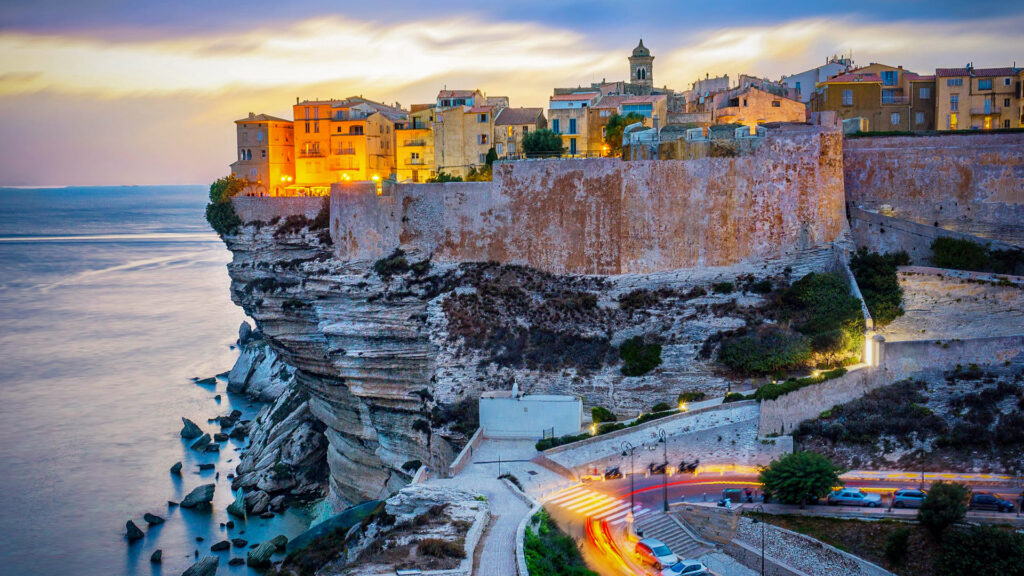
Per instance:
{"type": "Point", "coordinates": [112, 299]}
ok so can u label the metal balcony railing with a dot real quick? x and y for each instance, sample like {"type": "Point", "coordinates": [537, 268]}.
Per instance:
{"type": "Point", "coordinates": [310, 154]}
{"type": "Point", "coordinates": [345, 151]}
{"type": "Point", "coordinates": [416, 162]}
{"type": "Point", "coordinates": [895, 99]}
{"type": "Point", "coordinates": [985, 110]}
{"type": "Point", "coordinates": [414, 143]}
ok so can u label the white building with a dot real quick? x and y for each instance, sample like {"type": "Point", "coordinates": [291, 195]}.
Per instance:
{"type": "Point", "coordinates": [804, 82]}
{"type": "Point", "coordinates": [507, 414]}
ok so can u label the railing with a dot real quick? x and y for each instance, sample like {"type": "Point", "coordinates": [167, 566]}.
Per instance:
{"type": "Point", "coordinates": [414, 143]}
{"type": "Point", "coordinates": [345, 151]}
{"type": "Point", "coordinates": [895, 99]}
{"type": "Point", "coordinates": [418, 162]}
{"type": "Point", "coordinates": [985, 110]}
{"type": "Point", "coordinates": [311, 154]}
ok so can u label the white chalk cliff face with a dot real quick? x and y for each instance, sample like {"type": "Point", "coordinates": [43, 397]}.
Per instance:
{"type": "Point", "coordinates": [393, 354]}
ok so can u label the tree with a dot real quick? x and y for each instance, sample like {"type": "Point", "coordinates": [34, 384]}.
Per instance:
{"type": "Point", "coordinates": [219, 212]}
{"type": "Point", "coordinates": [601, 414]}
{"type": "Point", "coordinates": [981, 550]}
{"type": "Point", "coordinates": [483, 174]}
{"type": "Point", "coordinates": [492, 155]}
{"type": "Point", "coordinates": [945, 505]}
{"type": "Point", "coordinates": [443, 176]}
{"type": "Point", "coordinates": [800, 477]}
{"type": "Point", "coordinates": [542, 144]}
{"type": "Point", "coordinates": [613, 132]}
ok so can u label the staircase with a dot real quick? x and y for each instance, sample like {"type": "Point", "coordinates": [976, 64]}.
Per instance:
{"type": "Point", "coordinates": [671, 531]}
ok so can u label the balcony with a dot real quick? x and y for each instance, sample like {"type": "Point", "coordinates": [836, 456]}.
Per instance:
{"type": "Point", "coordinates": [986, 110]}
{"type": "Point", "coordinates": [310, 154]}
{"type": "Point", "coordinates": [895, 100]}
{"type": "Point", "coordinates": [416, 162]}
{"type": "Point", "coordinates": [414, 143]}
{"type": "Point", "coordinates": [344, 151]}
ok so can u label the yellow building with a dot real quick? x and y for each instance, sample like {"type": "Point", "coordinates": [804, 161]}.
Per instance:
{"type": "Point", "coordinates": [343, 140]}
{"type": "Point", "coordinates": [265, 155]}
{"type": "Point", "coordinates": [511, 125]}
{"type": "Point", "coordinates": [978, 98]}
{"type": "Point", "coordinates": [463, 131]}
{"type": "Point", "coordinates": [568, 116]}
{"type": "Point", "coordinates": [414, 159]}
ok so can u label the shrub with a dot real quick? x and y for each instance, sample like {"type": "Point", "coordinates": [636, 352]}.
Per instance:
{"type": "Point", "coordinates": [394, 265]}
{"type": "Point", "coordinates": [761, 286]}
{"type": "Point", "coordinates": [542, 143]}
{"type": "Point", "coordinates": [896, 545]}
{"type": "Point", "coordinates": [440, 548]}
{"type": "Point", "coordinates": [511, 478]}
{"type": "Point", "coordinates": [723, 288]}
{"type": "Point", "coordinates": [648, 416]}
{"type": "Point", "coordinates": [421, 425]}
{"type": "Point", "coordinates": [463, 416]}
{"type": "Point", "coordinates": [733, 397]}
{"type": "Point", "coordinates": [878, 283]}
{"type": "Point", "coordinates": [547, 443]}
{"type": "Point", "coordinates": [219, 212]}
{"type": "Point", "coordinates": [638, 357]}
{"type": "Point", "coordinates": [661, 407]}
{"type": "Point", "coordinates": [691, 397]}
{"type": "Point", "coordinates": [945, 505]}
{"type": "Point", "coordinates": [601, 414]}
{"type": "Point", "coordinates": [637, 299]}
{"type": "Point", "coordinates": [443, 176]}
{"type": "Point", "coordinates": [824, 310]}
{"type": "Point", "coordinates": [767, 351]}
{"type": "Point", "coordinates": [773, 391]}
{"type": "Point", "coordinates": [960, 254]}
{"type": "Point", "coordinates": [551, 552]}
{"type": "Point", "coordinates": [800, 478]}
{"type": "Point", "coordinates": [981, 550]}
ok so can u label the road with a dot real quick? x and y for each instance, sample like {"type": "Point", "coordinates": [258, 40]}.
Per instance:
{"type": "Point", "coordinates": [596, 512]}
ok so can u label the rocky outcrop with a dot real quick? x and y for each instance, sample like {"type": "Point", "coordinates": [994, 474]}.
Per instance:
{"type": "Point", "coordinates": [199, 497]}
{"type": "Point", "coordinates": [133, 532]}
{"type": "Point", "coordinates": [259, 557]}
{"type": "Point", "coordinates": [205, 567]}
{"type": "Point", "coordinates": [190, 430]}
{"type": "Point", "coordinates": [259, 372]}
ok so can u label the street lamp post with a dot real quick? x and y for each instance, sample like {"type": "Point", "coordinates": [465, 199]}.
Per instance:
{"type": "Point", "coordinates": [663, 438]}
{"type": "Point", "coordinates": [628, 447]}
{"type": "Point", "coordinates": [760, 510]}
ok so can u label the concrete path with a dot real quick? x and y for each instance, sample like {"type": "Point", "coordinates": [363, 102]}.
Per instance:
{"type": "Point", "coordinates": [725, 565]}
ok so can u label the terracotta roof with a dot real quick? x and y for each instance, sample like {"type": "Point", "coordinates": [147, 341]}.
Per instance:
{"type": "Point", "coordinates": [518, 116]}
{"type": "Point", "coordinates": [644, 99]}
{"type": "Point", "coordinates": [419, 107]}
{"type": "Point", "coordinates": [612, 101]}
{"type": "Point", "coordinates": [456, 93]}
{"type": "Point", "coordinates": [983, 72]}
{"type": "Point", "coordinates": [848, 77]}
{"type": "Point", "coordinates": [480, 109]}
{"type": "Point", "coordinates": [574, 97]}
{"type": "Point", "coordinates": [262, 118]}
{"type": "Point", "coordinates": [919, 78]}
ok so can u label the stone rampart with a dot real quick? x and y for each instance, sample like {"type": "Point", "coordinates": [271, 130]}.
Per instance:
{"type": "Point", "coordinates": [267, 208]}
{"type": "Point", "coordinates": [783, 414]}
{"type": "Point", "coordinates": [606, 216]}
{"type": "Point", "coordinates": [881, 233]}
{"type": "Point", "coordinates": [971, 183]}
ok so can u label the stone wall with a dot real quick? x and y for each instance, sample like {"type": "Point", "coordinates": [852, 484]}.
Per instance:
{"type": "Point", "coordinates": [971, 183]}
{"type": "Point", "coordinates": [267, 208]}
{"type": "Point", "coordinates": [606, 216]}
{"type": "Point", "coordinates": [880, 233]}
{"type": "Point", "coordinates": [783, 414]}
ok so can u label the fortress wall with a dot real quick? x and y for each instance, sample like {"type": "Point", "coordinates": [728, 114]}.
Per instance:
{"type": "Point", "coordinates": [606, 216]}
{"type": "Point", "coordinates": [266, 208]}
{"type": "Point", "coordinates": [971, 183]}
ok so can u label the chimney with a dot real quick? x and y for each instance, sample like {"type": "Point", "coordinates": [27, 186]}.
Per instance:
{"type": "Point", "coordinates": [296, 99]}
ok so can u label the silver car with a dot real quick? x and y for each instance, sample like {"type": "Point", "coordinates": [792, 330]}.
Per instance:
{"type": "Point", "coordinates": [654, 552]}
{"type": "Point", "coordinates": [907, 498]}
{"type": "Point", "coordinates": [854, 497]}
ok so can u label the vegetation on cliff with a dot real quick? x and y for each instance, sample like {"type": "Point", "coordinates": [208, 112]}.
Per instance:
{"type": "Point", "coordinates": [876, 278]}
{"type": "Point", "coordinates": [967, 255]}
{"type": "Point", "coordinates": [639, 356]}
{"type": "Point", "coordinates": [219, 212]}
{"type": "Point", "coordinates": [551, 552]}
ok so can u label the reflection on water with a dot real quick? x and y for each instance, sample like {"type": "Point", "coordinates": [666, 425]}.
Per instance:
{"type": "Point", "coordinates": [99, 338]}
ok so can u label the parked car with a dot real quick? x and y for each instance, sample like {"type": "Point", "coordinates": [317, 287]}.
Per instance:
{"type": "Point", "coordinates": [686, 568]}
{"type": "Point", "coordinates": [906, 498]}
{"type": "Point", "coordinates": [853, 497]}
{"type": "Point", "coordinates": [654, 552]}
{"type": "Point", "coordinates": [986, 501]}
{"type": "Point", "coordinates": [611, 473]}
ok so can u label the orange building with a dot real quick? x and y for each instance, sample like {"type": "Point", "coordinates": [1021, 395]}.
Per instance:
{"type": "Point", "coordinates": [752, 106]}
{"type": "Point", "coordinates": [265, 155]}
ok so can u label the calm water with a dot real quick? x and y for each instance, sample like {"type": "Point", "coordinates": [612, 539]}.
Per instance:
{"type": "Point", "coordinates": [111, 299]}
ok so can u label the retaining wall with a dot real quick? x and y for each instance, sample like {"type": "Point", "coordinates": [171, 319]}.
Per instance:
{"type": "Point", "coordinates": [970, 183]}
{"type": "Point", "coordinates": [266, 208]}
{"type": "Point", "coordinates": [606, 216]}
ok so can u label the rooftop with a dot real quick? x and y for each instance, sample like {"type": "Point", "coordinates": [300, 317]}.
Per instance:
{"type": "Point", "coordinates": [641, 50]}
{"type": "Point", "coordinates": [983, 72]}
{"type": "Point", "coordinates": [517, 116]}
{"type": "Point", "coordinates": [262, 118]}
{"type": "Point", "coordinates": [574, 97]}
{"type": "Point", "coordinates": [854, 77]}
{"type": "Point", "coordinates": [456, 93]}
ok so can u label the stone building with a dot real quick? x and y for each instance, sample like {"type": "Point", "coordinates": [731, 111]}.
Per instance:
{"type": "Point", "coordinates": [752, 106]}
{"type": "Point", "coordinates": [265, 154]}
{"type": "Point", "coordinates": [803, 83]}
{"type": "Point", "coordinates": [978, 98]}
{"type": "Point", "coordinates": [569, 116]}
{"type": "Point", "coordinates": [641, 66]}
{"type": "Point", "coordinates": [414, 151]}
{"type": "Point", "coordinates": [511, 125]}
{"type": "Point", "coordinates": [463, 130]}
{"type": "Point", "coordinates": [888, 98]}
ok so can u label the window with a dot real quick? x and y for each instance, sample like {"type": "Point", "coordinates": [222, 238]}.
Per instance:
{"type": "Point", "coordinates": [798, 87]}
{"type": "Point", "coordinates": [572, 146]}
{"type": "Point", "coordinates": [1006, 123]}
{"type": "Point", "coordinates": [355, 130]}
{"type": "Point", "coordinates": [252, 173]}
{"type": "Point", "coordinates": [248, 154]}
{"type": "Point", "coordinates": [556, 126]}
{"type": "Point", "coordinates": [498, 149]}
{"type": "Point", "coordinates": [952, 121]}
{"type": "Point", "coordinates": [482, 158]}
{"type": "Point", "coordinates": [263, 153]}
{"type": "Point", "coordinates": [925, 93]}
{"type": "Point", "coordinates": [985, 84]}
{"type": "Point", "coordinates": [894, 118]}
{"type": "Point", "coordinates": [955, 82]}
{"type": "Point", "coordinates": [511, 147]}
{"type": "Point", "coordinates": [526, 130]}
{"type": "Point", "coordinates": [415, 156]}
{"type": "Point", "coordinates": [481, 118]}
{"type": "Point", "coordinates": [316, 127]}
{"type": "Point", "coordinates": [316, 113]}
{"type": "Point", "coordinates": [954, 102]}
{"type": "Point", "coordinates": [307, 127]}
{"type": "Point", "coordinates": [847, 97]}
{"type": "Point", "coordinates": [1006, 81]}
{"type": "Point", "coordinates": [259, 136]}
{"type": "Point", "coordinates": [481, 139]}
{"type": "Point", "coordinates": [307, 113]}
{"type": "Point", "coordinates": [1006, 102]}
{"type": "Point", "coordinates": [744, 102]}
{"type": "Point", "coordinates": [776, 104]}
{"type": "Point", "coordinates": [888, 96]}
{"type": "Point", "coordinates": [572, 125]}
{"type": "Point", "coordinates": [889, 77]}
{"type": "Point", "coordinates": [919, 118]}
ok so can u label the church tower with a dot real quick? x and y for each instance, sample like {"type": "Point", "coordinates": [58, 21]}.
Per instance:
{"type": "Point", "coordinates": [641, 66]}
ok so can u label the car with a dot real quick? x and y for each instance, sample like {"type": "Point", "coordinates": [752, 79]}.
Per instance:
{"type": "Point", "coordinates": [654, 552]}
{"type": "Point", "coordinates": [853, 497]}
{"type": "Point", "coordinates": [907, 498]}
{"type": "Point", "coordinates": [686, 568]}
{"type": "Point", "coordinates": [986, 501]}
{"type": "Point", "coordinates": [612, 473]}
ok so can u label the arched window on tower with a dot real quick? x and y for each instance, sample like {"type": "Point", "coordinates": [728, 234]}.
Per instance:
{"type": "Point", "coordinates": [641, 73]}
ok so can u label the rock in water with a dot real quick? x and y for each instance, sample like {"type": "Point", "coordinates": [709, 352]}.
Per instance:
{"type": "Point", "coordinates": [200, 497]}
{"type": "Point", "coordinates": [237, 508]}
{"type": "Point", "coordinates": [257, 502]}
{"type": "Point", "coordinates": [152, 519]}
{"type": "Point", "coordinates": [157, 557]}
{"type": "Point", "coordinates": [207, 466]}
{"type": "Point", "coordinates": [259, 557]}
{"type": "Point", "coordinates": [211, 381]}
{"type": "Point", "coordinates": [211, 447]}
{"type": "Point", "coordinates": [202, 443]}
{"type": "Point", "coordinates": [236, 561]}
{"type": "Point", "coordinates": [176, 469]}
{"type": "Point", "coordinates": [280, 542]}
{"type": "Point", "coordinates": [190, 430]}
{"type": "Point", "coordinates": [205, 567]}
{"type": "Point", "coordinates": [244, 333]}
{"type": "Point", "coordinates": [220, 437]}
{"type": "Point", "coordinates": [133, 532]}
{"type": "Point", "coordinates": [239, 542]}
{"type": "Point", "coordinates": [220, 546]}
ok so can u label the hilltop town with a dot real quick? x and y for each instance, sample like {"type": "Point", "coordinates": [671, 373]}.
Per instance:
{"type": "Point", "coordinates": [463, 131]}
{"type": "Point", "coordinates": [504, 340]}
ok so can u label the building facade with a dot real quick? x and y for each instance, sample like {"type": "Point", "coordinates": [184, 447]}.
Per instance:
{"type": "Point", "coordinates": [752, 106]}
{"type": "Point", "coordinates": [978, 98]}
{"type": "Point", "coordinates": [463, 131]}
{"type": "Point", "coordinates": [888, 98]}
{"type": "Point", "coordinates": [510, 127]}
{"type": "Point", "coordinates": [414, 156]}
{"type": "Point", "coordinates": [568, 115]}
{"type": "Point", "coordinates": [265, 153]}
{"type": "Point", "coordinates": [803, 83]}
{"type": "Point", "coordinates": [641, 67]}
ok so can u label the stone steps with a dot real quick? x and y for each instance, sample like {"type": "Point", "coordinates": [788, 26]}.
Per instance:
{"type": "Point", "coordinates": [667, 529]}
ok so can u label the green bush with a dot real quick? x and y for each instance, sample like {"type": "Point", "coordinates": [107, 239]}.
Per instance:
{"type": "Point", "coordinates": [981, 550]}
{"type": "Point", "coordinates": [823, 309]}
{"type": "Point", "coordinates": [896, 544]}
{"type": "Point", "coordinates": [551, 552]}
{"type": "Point", "coordinates": [733, 397]}
{"type": "Point", "coordinates": [638, 357]}
{"type": "Point", "coordinates": [542, 143]}
{"type": "Point", "coordinates": [546, 443]}
{"type": "Point", "coordinates": [878, 283]}
{"type": "Point", "coordinates": [443, 176]}
{"type": "Point", "coordinates": [945, 505]}
{"type": "Point", "coordinates": [661, 407]}
{"type": "Point", "coordinates": [767, 351]}
{"type": "Point", "coordinates": [960, 254]}
{"type": "Point", "coordinates": [800, 478]}
{"type": "Point", "coordinates": [441, 548]}
{"type": "Point", "coordinates": [761, 286]}
{"type": "Point", "coordinates": [648, 416]}
{"type": "Point", "coordinates": [773, 391]}
{"type": "Point", "coordinates": [691, 397]}
{"type": "Point", "coordinates": [723, 288]}
{"type": "Point", "coordinates": [601, 414]}
{"type": "Point", "coordinates": [219, 212]}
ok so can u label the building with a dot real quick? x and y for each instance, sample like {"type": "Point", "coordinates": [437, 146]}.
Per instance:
{"type": "Point", "coordinates": [804, 83]}
{"type": "Point", "coordinates": [641, 67]}
{"type": "Point", "coordinates": [511, 125]}
{"type": "Point", "coordinates": [312, 145]}
{"type": "Point", "coordinates": [751, 106]}
{"type": "Point", "coordinates": [414, 156]}
{"type": "Point", "coordinates": [463, 130]}
{"type": "Point", "coordinates": [569, 116]}
{"type": "Point", "coordinates": [265, 154]}
{"type": "Point", "coordinates": [978, 98]}
{"type": "Point", "coordinates": [699, 97]}
{"type": "Point", "coordinates": [880, 94]}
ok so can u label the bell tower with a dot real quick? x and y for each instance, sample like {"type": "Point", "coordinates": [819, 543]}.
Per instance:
{"type": "Point", "coordinates": [641, 66]}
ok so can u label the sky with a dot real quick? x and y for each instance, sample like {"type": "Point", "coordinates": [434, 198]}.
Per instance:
{"type": "Point", "coordinates": [110, 92]}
